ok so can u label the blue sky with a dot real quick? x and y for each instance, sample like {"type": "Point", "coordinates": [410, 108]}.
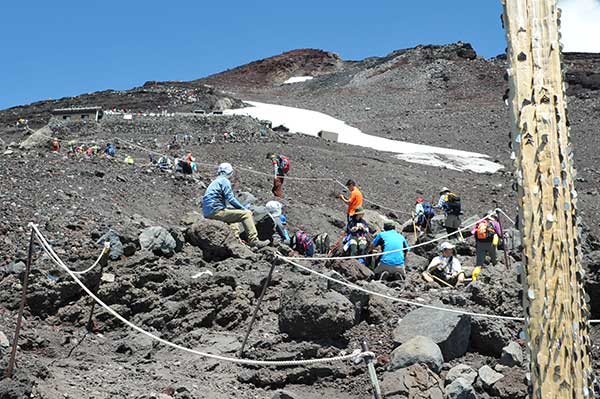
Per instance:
{"type": "Point", "coordinates": [61, 48]}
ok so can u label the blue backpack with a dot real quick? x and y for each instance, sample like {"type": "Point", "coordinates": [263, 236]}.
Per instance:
{"type": "Point", "coordinates": [428, 210]}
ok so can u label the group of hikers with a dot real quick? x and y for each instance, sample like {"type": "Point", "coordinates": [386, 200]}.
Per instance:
{"type": "Point", "coordinates": [358, 239]}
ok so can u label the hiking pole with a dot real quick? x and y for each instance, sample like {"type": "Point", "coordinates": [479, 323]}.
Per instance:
{"type": "Point", "coordinates": [368, 359]}
{"type": "Point", "coordinates": [506, 258]}
{"type": "Point", "coordinates": [97, 286]}
{"type": "Point", "coordinates": [440, 280]}
{"type": "Point", "coordinates": [13, 353]}
{"type": "Point", "coordinates": [414, 227]}
{"type": "Point", "coordinates": [258, 303]}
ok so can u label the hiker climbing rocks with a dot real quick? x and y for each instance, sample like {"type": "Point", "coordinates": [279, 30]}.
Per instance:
{"type": "Point", "coordinates": [445, 268]}
{"type": "Point", "coordinates": [275, 210]}
{"type": "Point", "coordinates": [164, 163]}
{"type": "Point", "coordinates": [357, 230]}
{"type": "Point", "coordinates": [391, 264]}
{"type": "Point", "coordinates": [110, 150]}
{"type": "Point", "coordinates": [423, 214]}
{"type": "Point", "coordinates": [55, 145]}
{"type": "Point", "coordinates": [451, 205]}
{"type": "Point", "coordinates": [303, 244]}
{"type": "Point", "coordinates": [214, 206]}
{"type": "Point", "coordinates": [487, 233]}
{"type": "Point", "coordinates": [281, 167]}
{"type": "Point", "coordinates": [354, 200]}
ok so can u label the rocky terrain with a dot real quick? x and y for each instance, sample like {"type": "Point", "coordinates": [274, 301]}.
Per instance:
{"type": "Point", "coordinates": [187, 280]}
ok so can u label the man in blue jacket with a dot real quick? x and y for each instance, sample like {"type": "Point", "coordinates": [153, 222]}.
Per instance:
{"type": "Point", "coordinates": [214, 206]}
{"type": "Point", "coordinates": [391, 240]}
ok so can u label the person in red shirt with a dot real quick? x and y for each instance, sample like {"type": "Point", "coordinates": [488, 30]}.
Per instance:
{"type": "Point", "coordinates": [55, 145]}
{"type": "Point", "coordinates": [354, 200]}
{"type": "Point", "coordinates": [281, 166]}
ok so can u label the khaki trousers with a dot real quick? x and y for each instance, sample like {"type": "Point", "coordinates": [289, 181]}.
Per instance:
{"type": "Point", "coordinates": [234, 216]}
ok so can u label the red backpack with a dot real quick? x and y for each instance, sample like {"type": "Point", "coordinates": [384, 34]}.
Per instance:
{"type": "Point", "coordinates": [284, 163]}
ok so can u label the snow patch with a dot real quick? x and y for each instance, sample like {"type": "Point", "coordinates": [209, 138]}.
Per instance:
{"type": "Point", "coordinates": [297, 79]}
{"type": "Point", "coordinates": [309, 122]}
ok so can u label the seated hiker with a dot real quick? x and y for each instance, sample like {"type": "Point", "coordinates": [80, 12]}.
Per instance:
{"type": "Point", "coordinates": [218, 196]}
{"type": "Point", "coordinates": [451, 205]}
{"type": "Point", "coordinates": [110, 151]}
{"type": "Point", "coordinates": [302, 243]}
{"type": "Point", "coordinates": [357, 231]}
{"type": "Point", "coordinates": [164, 163]}
{"type": "Point", "coordinates": [445, 268]}
{"type": "Point", "coordinates": [392, 263]}
{"type": "Point", "coordinates": [55, 145]}
{"type": "Point", "coordinates": [281, 167]}
{"type": "Point", "coordinates": [423, 213]}
{"type": "Point", "coordinates": [487, 233]}
{"type": "Point", "coordinates": [354, 200]}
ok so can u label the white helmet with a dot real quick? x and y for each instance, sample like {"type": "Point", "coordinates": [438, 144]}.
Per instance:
{"type": "Point", "coordinates": [446, 245]}
{"type": "Point", "coordinates": [225, 169]}
{"type": "Point", "coordinates": [274, 208]}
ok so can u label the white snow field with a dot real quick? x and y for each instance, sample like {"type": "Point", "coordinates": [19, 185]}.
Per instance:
{"type": "Point", "coordinates": [297, 79]}
{"type": "Point", "coordinates": [309, 122]}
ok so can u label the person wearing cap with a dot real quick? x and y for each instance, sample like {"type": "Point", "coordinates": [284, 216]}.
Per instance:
{"type": "Point", "coordinates": [451, 205]}
{"type": "Point", "coordinates": [445, 267]}
{"type": "Point", "coordinates": [423, 213]}
{"type": "Point", "coordinates": [487, 232]}
{"type": "Point", "coordinates": [354, 200]}
{"type": "Point", "coordinates": [218, 196]}
{"type": "Point", "coordinates": [391, 241]}
{"type": "Point", "coordinates": [280, 167]}
{"type": "Point", "coordinates": [275, 211]}
{"type": "Point", "coordinates": [357, 230]}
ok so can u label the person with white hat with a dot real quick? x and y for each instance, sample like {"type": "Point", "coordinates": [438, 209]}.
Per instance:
{"type": "Point", "coordinates": [445, 268]}
{"type": "Point", "coordinates": [275, 210]}
{"type": "Point", "coordinates": [451, 205]}
{"type": "Point", "coordinates": [215, 206]}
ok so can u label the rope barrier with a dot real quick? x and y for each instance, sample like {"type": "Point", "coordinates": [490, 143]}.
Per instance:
{"type": "Point", "coordinates": [396, 299]}
{"type": "Point", "coordinates": [357, 354]}
{"type": "Point", "coordinates": [104, 251]}
{"type": "Point", "coordinates": [506, 216]}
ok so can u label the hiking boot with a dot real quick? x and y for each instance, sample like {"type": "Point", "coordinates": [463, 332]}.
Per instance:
{"type": "Point", "coordinates": [258, 244]}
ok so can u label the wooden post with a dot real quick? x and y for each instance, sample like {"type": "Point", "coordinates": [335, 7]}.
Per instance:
{"type": "Point", "coordinates": [258, 303]}
{"type": "Point", "coordinates": [13, 353]}
{"type": "Point", "coordinates": [554, 298]}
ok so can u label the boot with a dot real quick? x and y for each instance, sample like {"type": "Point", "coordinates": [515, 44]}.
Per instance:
{"type": "Point", "coordinates": [258, 244]}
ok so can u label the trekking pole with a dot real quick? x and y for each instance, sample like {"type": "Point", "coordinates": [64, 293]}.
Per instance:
{"type": "Point", "coordinates": [414, 227]}
{"type": "Point", "coordinates": [506, 258]}
{"type": "Point", "coordinates": [371, 370]}
{"type": "Point", "coordinates": [13, 353]}
{"type": "Point", "coordinates": [440, 280]}
{"type": "Point", "coordinates": [258, 303]}
{"type": "Point", "coordinates": [105, 252]}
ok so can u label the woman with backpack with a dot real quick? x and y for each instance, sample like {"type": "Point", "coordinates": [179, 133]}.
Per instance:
{"type": "Point", "coordinates": [424, 213]}
{"type": "Point", "coordinates": [487, 233]}
{"type": "Point", "coordinates": [451, 205]}
{"type": "Point", "coordinates": [281, 166]}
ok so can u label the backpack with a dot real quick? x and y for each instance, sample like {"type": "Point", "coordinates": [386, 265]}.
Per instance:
{"type": "Point", "coordinates": [322, 243]}
{"type": "Point", "coordinates": [485, 231]}
{"type": "Point", "coordinates": [453, 206]}
{"type": "Point", "coordinates": [428, 210]}
{"type": "Point", "coordinates": [302, 243]}
{"type": "Point", "coordinates": [284, 163]}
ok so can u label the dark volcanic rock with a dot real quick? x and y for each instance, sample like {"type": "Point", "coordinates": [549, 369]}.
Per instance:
{"type": "Point", "coordinates": [418, 350]}
{"type": "Point", "coordinates": [414, 380]}
{"type": "Point", "coordinates": [309, 313]}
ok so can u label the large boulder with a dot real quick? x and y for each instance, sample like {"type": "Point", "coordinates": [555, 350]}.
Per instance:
{"type": "Point", "coordinates": [41, 138]}
{"type": "Point", "coordinates": [375, 220]}
{"type": "Point", "coordinates": [415, 381]}
{"type": "Point", "coordinates": [380, 310]}
{"type": "Point", "coordinates": [311, 313]}
{"type": "Point", "coordinates": [158, 240]}
{"type": "Point", "coordinates": [216, 240]}
{"type": "Point", "coordinates": [416, 262]}
{"type": "Point", "coordinates": [351, 269]}
{"type": "Point", "coordinates": [418, 350]}
{"type": "Point", "coordinates": [451, 331]}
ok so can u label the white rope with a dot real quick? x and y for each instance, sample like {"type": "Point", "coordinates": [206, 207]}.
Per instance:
{"type": "Point", "coordinates": [48, 249]}
{"type": "Point", "coordinates": [396, 299]}
{"type": "Point", "coordinates": [505, 215]}
{"type": "Point", "coordinates": [105, 250]}
{"type": "Point", "coordinates": [422, 244]}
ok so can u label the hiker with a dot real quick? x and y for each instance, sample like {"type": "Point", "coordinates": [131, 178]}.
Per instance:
{"type": "Point", "coordinates": [354, 200]}
{"type": "Point", "coordinates": [164, 163]}
{"type": "Point", "coordinates": [487, 233]}
{"type": "Point", "coordinates": [424, 213]}
{"type": "Point", "coordinates": [391, 240]}
{"type": "Point", "coordinates": [281, 167]}
{"type": "Point", "coordinates": [302, 243]}
{"type": "Point", "coordinates": [445, 267]}
{"type": "Point", "coordinates": [357, 230]}
{"type": "Point", "coordinates": [55, 145]}
{"type": "Point", "coordinates": [214, 206]}
{"type": "Point", "coordinates": [274, 209]}
{"type": "Point", "coordinates": [450, 203]}
{"type": "Point", "coordinates": [110, 150]}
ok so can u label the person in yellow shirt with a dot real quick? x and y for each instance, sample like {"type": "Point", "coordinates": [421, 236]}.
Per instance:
{"type": "Point", "coordinates": [354, 200]}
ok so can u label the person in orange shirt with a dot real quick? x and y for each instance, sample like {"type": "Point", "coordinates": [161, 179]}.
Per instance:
{"type": "Point", "coordinates": [355, 200]}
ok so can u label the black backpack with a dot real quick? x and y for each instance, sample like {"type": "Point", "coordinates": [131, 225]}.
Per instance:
{"type": "Point", "coordinates": [322, 243]}
{"type": "Point", "coordinates": [453, 206]}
